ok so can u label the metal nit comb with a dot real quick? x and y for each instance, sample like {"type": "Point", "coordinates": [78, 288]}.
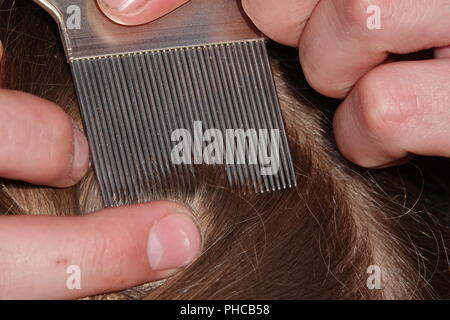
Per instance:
{"type": "Point", "coordinates": [204, 63]}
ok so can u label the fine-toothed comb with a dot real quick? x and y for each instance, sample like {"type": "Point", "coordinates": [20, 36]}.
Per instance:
{"type": "Point", "coordinates": [193, 87]}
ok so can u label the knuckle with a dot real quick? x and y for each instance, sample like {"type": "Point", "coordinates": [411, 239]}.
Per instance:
{"type": "Point", "coordinates": [391, 102]}
{"type": "Point", "coordinates": [377, 107]}
{"type": "Point", "coordinates": [319, 72]}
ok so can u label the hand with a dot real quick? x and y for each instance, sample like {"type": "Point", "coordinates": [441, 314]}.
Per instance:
{"type": "Point", "coordinates": [110, 250]}
{"type": "Point", "coordinates": [391, 110]}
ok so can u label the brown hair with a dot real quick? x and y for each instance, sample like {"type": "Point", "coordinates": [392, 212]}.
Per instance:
{"type": "Point", "coordinates": [315, 241]}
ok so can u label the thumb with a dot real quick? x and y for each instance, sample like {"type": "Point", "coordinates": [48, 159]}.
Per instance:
{"type": "Point", "coordinates": [135, 12]}
{"type": "Point", "coordinates": [43, 257]}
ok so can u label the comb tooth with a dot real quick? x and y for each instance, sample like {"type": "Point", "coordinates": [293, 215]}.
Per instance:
{"type": "Point", "coordinates": [177, 103]}
{"type": "Point", "coordinates": [288, 174]}
{"type": "Point", "coordinates": [93, 128]}
{"type": "Point", "coordinates": [250, 112]}
{"type": "Point", "coordinates": [132, 103]}
{"type": "Point", "coordinates": [122, 113]}
{"type": "Point", "coordinates": [167, 110]}
{"type": "Point", "coordinates": [273, 115]}
{"type": "Point", "coordinates": [156, 141]}
{"type": "Point", "coordinates": [96, 99]}
{"type": "Point", "coordinates": [99, 130]}
{"type": "Point", "coordinates": [222, 76]}
{"type": "Point", "coordinates": [259, 94]}
{"type": "Point", "coordinates": [200, 108]}
{"type": "Point", "coordinates": [104, 98]}
{"type": "Point", "coordinates": [157, 114]}
{"type": "Point", "coordinates": [145, 100]}
{"type": "Point", "coordinates": [253, 94]}
{"type": "Point", "coordinates": [204, 58]}
{"type": "Point", "coordinates": [133, 99]}
{"type": "Point", "coordinates": [182, 72]}
{"type": "Point", "coordinates": [268, 121]}
{"type": "Point", "coordinates": [240, 109]}
{"type": "Point", "coordinates": [122, 136]}
{"type": "Point", "coordinates": [201, 89]}
{"type": "Point", "coordinates": [186, 99]}
{"type": "Point", "coordinates": [141, 99]}
{"type": "Point", "coordinates": [192, 94]}
{"type": "Point", "coordinates": [206, 91]}
{"type": "Point", "coordinates": [223, 108]}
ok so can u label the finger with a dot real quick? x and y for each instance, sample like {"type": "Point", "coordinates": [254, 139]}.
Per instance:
{"type": "Point", "coordinates": [135, 12]}
{"type": "Point", "coordinates": [39, 143]}
{"type": "Point", "coordinates": [397, 109]}
{"type": "Point", "coordinates": [281, 21]}
{"type": "Point", "coordinates": [341, 41]}
{"type": "Point", "coordinates": [111, 250]}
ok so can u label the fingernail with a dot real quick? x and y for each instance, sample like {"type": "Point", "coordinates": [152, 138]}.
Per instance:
{"type": "Point", "coordinates": [173, 242]}
{"type": "Point", "coordinates": [128, 7]}
{"type": "Point", "coordinates": [80, 162]}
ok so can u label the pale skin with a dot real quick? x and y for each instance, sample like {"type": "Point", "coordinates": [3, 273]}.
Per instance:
{"type": "Point", "coordinates": [389, 111]}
